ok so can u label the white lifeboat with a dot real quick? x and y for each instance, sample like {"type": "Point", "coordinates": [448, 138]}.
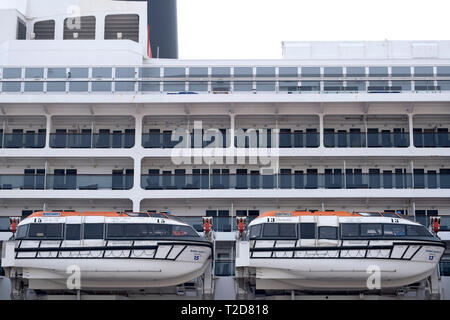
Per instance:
{"type": "Point", "coordinates": [107, 250]}
{"type": "Point", "coordinates": [331, 251]}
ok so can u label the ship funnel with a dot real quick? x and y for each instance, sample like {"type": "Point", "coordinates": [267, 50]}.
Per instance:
{"type": "Point", "coordinates": [162, 28]}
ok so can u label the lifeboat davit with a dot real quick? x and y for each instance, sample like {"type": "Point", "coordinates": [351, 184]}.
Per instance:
{"type": "Point", "coordinates": [326, 251]}
{"type": "Point", "coordinates": [105, 250]}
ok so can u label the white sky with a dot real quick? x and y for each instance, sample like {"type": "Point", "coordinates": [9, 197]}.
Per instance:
{"type": "Point", "coordinates": [254, 29]}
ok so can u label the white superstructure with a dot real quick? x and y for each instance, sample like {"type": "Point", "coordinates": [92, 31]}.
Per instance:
{"type": "Point", "coordinates": [89, 123]}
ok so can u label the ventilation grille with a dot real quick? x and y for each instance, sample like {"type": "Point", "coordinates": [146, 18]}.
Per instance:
{"type": "Point", "coordinates": [44, 30]}
{"type": "Point", "coordinates": [86, 32]}
{"type": "Point", "coordinates": [127, 24]}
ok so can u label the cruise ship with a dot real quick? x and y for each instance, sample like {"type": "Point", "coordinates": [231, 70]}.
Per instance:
{"type": "Point", "coordinates": [98, 114]}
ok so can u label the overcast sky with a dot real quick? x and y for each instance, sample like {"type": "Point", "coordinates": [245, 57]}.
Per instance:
{"type": "Point", "coordinates": [254, 29]}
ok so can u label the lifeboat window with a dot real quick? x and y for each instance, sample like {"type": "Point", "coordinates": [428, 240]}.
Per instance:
{"type": "Point", "coordinates": [93, 231]}
{"type": "Point", "coordinates": [255, 231]}
{"type": "Point", "coordinates": [184, 231]}
{"type": "Point", "coordinates": [394, 230]}
{"type": "Point", "coordinates": [45, 231]}
{"type": "Point", "coordinates": [371, 229]}
{"type": "Point", "coordinates": [279, 230]}
{"type": "Point", "coordinates": [73, 231]}
{"type": "Point", "coordinates": [390, 215]}
{"type": "Point", "coordinates": [350, 230]}
{"type": "Point", "coordinates": [327, 232]}
{"type": "Point", "coordinates": [307, 230]}
{"type": "Point", "coordinates": [418, 231]}
{"type": "Point", "coordinates": [22, 231]}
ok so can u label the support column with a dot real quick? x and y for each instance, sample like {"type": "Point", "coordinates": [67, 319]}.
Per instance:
{"type": "Point", "coordinates": [48, 129]}
{"type": "Point", "coordinates": [136, 205]}
{"type": "Point", "coordinates": [321, 133]}
{"type": "Point", "coordinates": [137, 174]}
{"type": "Point", "coordinates": [413, 208]}
{"type": "Point", "coordinates": [4, 131]}
{"type": "Point", "coordinates": [412, 173]}
{"type": "Point", "coordinates": [345, 175]}
{"type": "Point", "coordinates": [138, 131]}
{"type": "Point", "coordinates": [411, 130]}
{"type": "Point", "coordinates": [232, 129]}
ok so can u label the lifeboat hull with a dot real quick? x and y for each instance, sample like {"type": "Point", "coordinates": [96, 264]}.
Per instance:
{"type": "Point", "coordinates": [151, 265]}
{"type": "Point", "coordinates": [329, 270]}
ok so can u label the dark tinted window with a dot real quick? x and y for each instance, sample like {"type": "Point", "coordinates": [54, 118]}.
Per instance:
{"type": "Point", "coordinates": [371, 229]}
{"type": "Point", "coordinates": [378, 71]}
{"type": "Point", "coordinates": [394, 230]}
{"type": "Point", "coordinates": [328, 233]}
{"type": "Point", "coordinates": [73, 231]}
{"type": "Point", "coordinates": [4, 224]}
{"type": "Point", "coordinates": [332, 72]}
{"type": "Point", "coordinates": [22, 232]}
{"type": "Point", "coordinates": [389, 215]}
{"type": "Point", "coordinates": [183, 231]}
{"type": "Point", "coordinates": [356, 72]}
{"type": "Point", "coordinates": [279, 230]}
{"type": "Point", "coordinates": [401, 71]}
{"type": "Point", "coordinates": [418, 231]}
{"type": "Point", "coordinates": [255, 231]}
{"type": "Point", "coordinates": [443, 71]}
{"type": "Point", "coordinates": [310, 72]}
{"type": "Point", "coordinates": [350, 230]}
{"type": "Point", "coordinates": [93, 231]}
{"type": "Point", "coordinates": [307, 230]}
{"type": "Point", "coordinates": [288, 71]}
{"type": "Point", "coordinates": [423, 71]}
{"type": "Point", "coordinates": [45, 231]}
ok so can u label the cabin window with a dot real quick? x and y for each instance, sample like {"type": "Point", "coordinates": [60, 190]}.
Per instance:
{"type": "Point", "coordinates": [394, 230]}
{"type": "Point", "coordinates": [418, 231]}
{"type": "Point", "coordinates": [45, 231]}
{"type": "Point", "coordinates": [22, 232]}
{"type": "Point", "coordinates": [93, 231]}
{"type": "Point", "coordinates": [255, 231]}
{"type": "Point", "coordinates": [81, 28]}
{"type": "Point", "coordinates": [44, 30]}
{"type": "Point", "coordinates": [122, 26]}
{"type": "Point", "coordinates": [371, 229]}
{"type": "Point", "coordinates": [73, 231]}
{"type": "Point", "coordinates": [350, 230]}
{"type": "Point", "coordinates": [327, 232]}
{"type": "Point", "coordinates": [307, 231]}
{"type": "Point", "coordinates": [279, 230]}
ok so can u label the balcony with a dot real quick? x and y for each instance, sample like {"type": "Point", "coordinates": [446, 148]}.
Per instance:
{"type": "Point", "coordinates": [298, 180]}
{"type": "Point", "coordinates": [432, 139]}
{"type": "Point", "coordinates": [22, 140]}
{"type": "Point", "coordinates": [168, 140]}
{"type": "Point", "coordinates": [362, 139]}
{"type": "Point", "coordinates": [66, 182]}
{"type": "Point", "coordinates": [88, 140]}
